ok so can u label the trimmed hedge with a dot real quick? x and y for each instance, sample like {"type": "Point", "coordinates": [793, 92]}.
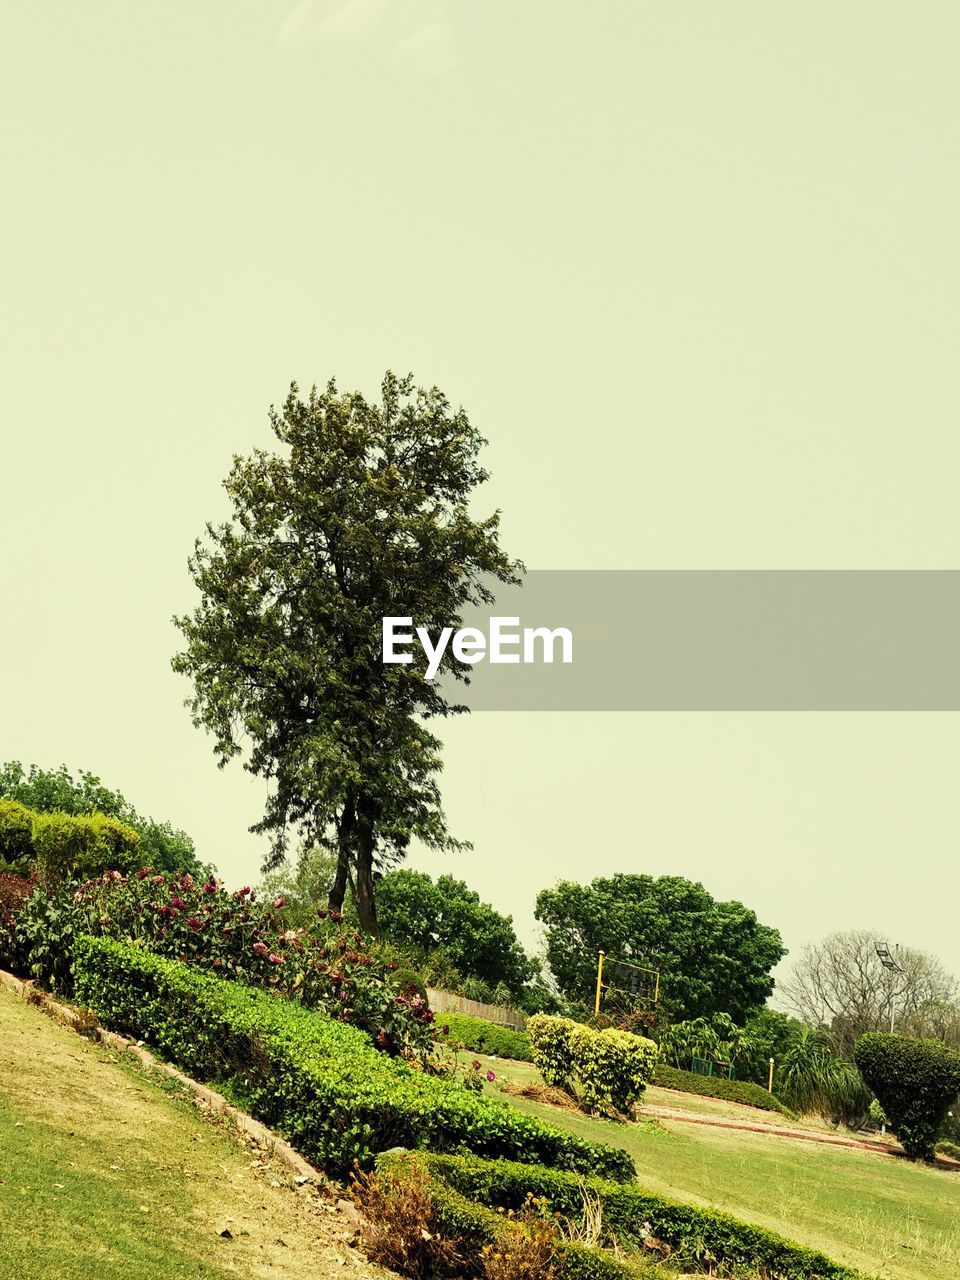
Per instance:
{"type": "Point", "coordinates": [697, 1237]}
{"type": "Point", "coordinates": [751, 1095]}
{"type": "Point", "coordinates": [473, 1226]}
{"type": "Point", "coordinates": [915, 1082]}
{"type": "Point", "coordinates": [607, 1068]}
{"type": "Point", "coordinates": [321, 1083]}
{"type": "Point", "coordinates": [480, 1036]}
{"type": "Point", "coordinates": [61, 845]}
{"type": "Point", "coordinates": [16, 834]}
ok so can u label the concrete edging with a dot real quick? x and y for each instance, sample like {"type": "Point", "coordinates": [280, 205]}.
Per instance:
{"type": "Point", "coordinates": [259, 1133]}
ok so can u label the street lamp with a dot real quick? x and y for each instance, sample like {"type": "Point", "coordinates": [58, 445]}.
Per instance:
{"type": "Point", "coordinates": [890, 963]}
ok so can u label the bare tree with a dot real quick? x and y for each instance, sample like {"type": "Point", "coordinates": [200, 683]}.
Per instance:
{"type": "Point", "coordinates": [840, 985]}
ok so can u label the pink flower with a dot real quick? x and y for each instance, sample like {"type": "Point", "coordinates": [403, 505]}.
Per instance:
{"type": "Point", "coordinates": [491, 1077]}
{"type": "Point", "coordinates": [178, 903]}
{"type": "Point", "coordinates": [159, 879]}
{"type": "Point", "coordinates": [279, 902]}
{"type": "Point", "coordinates": [260, 949]}
{"type": "Point", "coordinates": [275, 959]}
{"type": "Point", "coordinates": [244, 891]}
{"type": "Point", "coordinates": [143, 873]}
{"type": "Point", "coordinates": [194, 923]}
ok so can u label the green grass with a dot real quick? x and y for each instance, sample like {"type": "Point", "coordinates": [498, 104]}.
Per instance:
{"type": "Point", "coordinates": [107, 1174]}
{"type": "Point", "coordinates": [881, 1215]}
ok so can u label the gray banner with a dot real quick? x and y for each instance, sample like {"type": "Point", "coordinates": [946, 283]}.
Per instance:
{"type": "Point", "coordinates": [728, 641]}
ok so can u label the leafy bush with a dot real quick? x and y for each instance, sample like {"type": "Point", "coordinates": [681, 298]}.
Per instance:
{"type": "Point", "coordinates": [233, 934]}
{"type": "Point", "coordinates": [915, 1082]}
{"type": "Point", "coordinates": [812, 1079]}
{"type": "Point", "coordinates": [611, 1068]}
{"type": "Point", "coordinates": [698, 1238]}
{"type": "Point", "coordinates": [321, 1083]}
{"type": "Point", "coordinates": [608, 1068]}
{"type": "Point", "coordinates": [67, 847]}
{"type": "Point", "coordinates": [14, 891]}
{"type": "Point", "coordinates": [16, 835]}
{"type": "Point", "coordinates": [550, 1048]}
{"type": "Point", "coordinates": [751, 1095]}
{"type": "Point", "coordinates": [480, 1036]}
{"type": "Point", "coordinates": [949, 1149]}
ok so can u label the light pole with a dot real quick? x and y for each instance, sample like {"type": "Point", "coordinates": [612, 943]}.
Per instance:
{"type": "Point", "coordinates": [889, 960]}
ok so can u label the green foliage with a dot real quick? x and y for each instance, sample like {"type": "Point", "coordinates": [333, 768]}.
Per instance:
{"type": "Point", "coordinates": [700, 1239]}
{"type": "Point", "coordinates": [57, 791]}
{"type": "Point", "coordinates": [611, 1068]}
{"type": "Point", "coordinates": [915, 1081]}
{"type": "Point", "coordinates": [810, 1079]}
{"type": "Point", "coordinates": [16, 835]}
{"type": "Point", "coordinates": [325, 967]}
{"type": "Point", "coordinates": [550, 1047]}
{"type": "Point", "coordinates": [480, 1036]}
{"type": "Point", "coordinates": [363, 514]}
{"type": "Point", "coordinates": [479, 942]}
{"type": "Point", "coordinates": [67, 847]}
{"type": "Point", "coordinates": [607, 1069]}
{"type": "Point", "coordinates": [320, 1083]}
{"type": "Point", "coordinates": [744, 1091]}
{"type": "Point", "coordinates": [949, 1149]}
{"type": "Point", "coordinates": [713, 957]}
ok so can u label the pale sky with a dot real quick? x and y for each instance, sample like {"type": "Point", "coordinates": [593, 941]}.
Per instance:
{"type": "Point", "coordinates": [691, 268]}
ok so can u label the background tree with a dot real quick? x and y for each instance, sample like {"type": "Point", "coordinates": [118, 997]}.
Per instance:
{"type": "Point", "coordinates": [840, 985]}
{"type": "Point", "coordinates": [162, 846]}
{"type": "Point", "coordinates": [713, 957]}
{"type": "Point", "coordinates": [364, 514]}
{"type": "Point", "coordinates": [449, 917]}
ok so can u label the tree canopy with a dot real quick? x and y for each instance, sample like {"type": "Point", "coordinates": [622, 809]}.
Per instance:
{"type": "Point", "coordinates": [712, 957]}
{"type": "Point", "coordinates": [363, 514]}
{"type": "Point", "coordinates": [162, 846]}
{"type": "Point", "coordinates": [417, 912]}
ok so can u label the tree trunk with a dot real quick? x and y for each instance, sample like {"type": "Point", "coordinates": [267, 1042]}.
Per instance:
{"type": "Point", "coordinates": [363, 867]}
{"type": "Point", "coordinates": [345, 837]}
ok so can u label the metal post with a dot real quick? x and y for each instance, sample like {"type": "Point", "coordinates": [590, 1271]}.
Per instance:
{"type": "Point", "coordinates": [770, 1078]}
{"type": "Point", "coordinates": [596, 1003]}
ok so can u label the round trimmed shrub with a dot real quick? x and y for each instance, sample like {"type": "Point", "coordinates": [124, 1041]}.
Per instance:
{"type": "Point", "coordinates": [612, 1068]}
{"type": "Point", "coordinates": [915, 1082]}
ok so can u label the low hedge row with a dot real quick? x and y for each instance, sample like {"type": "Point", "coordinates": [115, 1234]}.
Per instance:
{"type": "Point", "coordinates": [480, 1036]}
{"type": "Point", "coordinates": [61, 845]}
{"type": "Point", "coordinates": [751, 1095]}
{"type": "Point", "coordinates": [700, 1238]}
{"type": "Point", "coordinates": [320, 1082]}
{"type": "Point", "coordinates": [474, 1226]}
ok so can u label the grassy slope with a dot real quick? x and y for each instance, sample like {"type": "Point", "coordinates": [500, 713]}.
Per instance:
{"type": "Point", "coordinates": [104, 1174]}
{"type": "Point", "coordinates": [882, 1215]}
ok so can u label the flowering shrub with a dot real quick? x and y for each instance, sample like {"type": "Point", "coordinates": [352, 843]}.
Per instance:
{"type": "Point", "coordinates": [235, 935]}
{"type": "Point", "coordinates": [14, 891]}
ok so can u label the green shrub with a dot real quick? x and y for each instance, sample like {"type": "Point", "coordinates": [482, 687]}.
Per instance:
{"type": "Point", "coordinates": [480, 1036]}
{"type": "Point", "coordinates": [698, 1238]}
{"type": "Point", "coordinates": [550, 1048]}
{"type": "Point", "coordinates": [68, 847]}
{"type": "Point", "coordinates": [474, 1227]}
{"type": "Point", "coordinates": [751, 1095]}
{"type": "Point", "coordinates": [915, 1082]}
{"type": "Point", "coordinates": [320, 1082]}
{"type": "Point", "coordinates": [611, 1068]}
{"type": "Point", "coordinates": [949, 1149]}
{"type": "Point", "coordinates": [16, 835]}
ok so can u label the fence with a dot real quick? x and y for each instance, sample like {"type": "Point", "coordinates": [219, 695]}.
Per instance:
{"type": "Point", "coordinates": [447, 1002]}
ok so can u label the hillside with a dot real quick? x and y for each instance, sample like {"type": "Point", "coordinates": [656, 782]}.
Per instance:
{"type": "Point", "coordinates": [105, 1173]}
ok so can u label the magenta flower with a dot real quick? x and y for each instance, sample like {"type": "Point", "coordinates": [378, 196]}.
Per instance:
{"type": "Point", "coordinates": [194, 923]}
{"type": "Point", "coordinates": [491, 1077]}
{"type": "Point", "coordinates": [279, 902]}
{"type": "Point", "coordinates": [159, 879]}
{"type": "Point", "coordinates": [275, 959]}
{"type": "Point", "coordinates": [178, 903]}
{"type": "Point", "coordinates": [260, 948]}
{"type": "Point", "coordinates": [143, 873]}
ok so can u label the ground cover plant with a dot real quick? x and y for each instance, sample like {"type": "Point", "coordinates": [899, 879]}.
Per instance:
{"type": "Point", "coordinates": [321, 1083]}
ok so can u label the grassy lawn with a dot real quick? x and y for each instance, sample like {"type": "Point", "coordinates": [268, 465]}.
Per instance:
{"type": "Point", "coordinates": [885, 1216]}
{"type": "Point", "coordinates": [105, 1175]}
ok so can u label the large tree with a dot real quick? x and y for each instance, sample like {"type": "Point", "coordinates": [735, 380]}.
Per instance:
{"type": "Point", "coordinates": [841, 986]}
{"type": "Point", "coordinates": [712, 957]}
{"type": "Point", "coordinates": [363, 514]}
{"type": "Point", "coordinates": [449, 916]}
